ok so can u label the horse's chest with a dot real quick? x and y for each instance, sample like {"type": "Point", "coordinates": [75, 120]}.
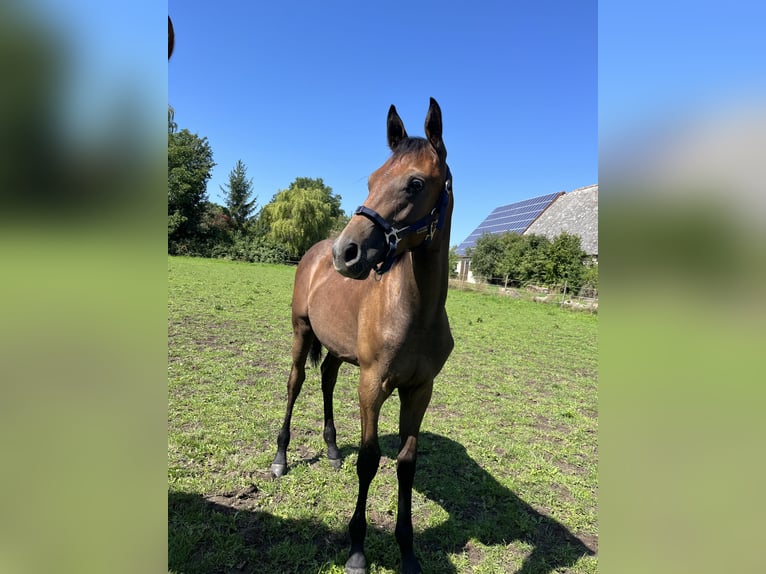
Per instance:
{"type": "Point", "coordinates": [417, 356]}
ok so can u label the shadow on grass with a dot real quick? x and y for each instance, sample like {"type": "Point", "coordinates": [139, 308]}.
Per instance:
{"type": "Point", "coordinates": [482, 509]}
{"type": "Point", "coordinates": [209, 537]}
{"type": "Point", "coordinates": [217, 535]}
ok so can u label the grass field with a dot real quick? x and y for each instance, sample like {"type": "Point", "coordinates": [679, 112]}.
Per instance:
{"type": "Point", "coordinates": [507, 467]}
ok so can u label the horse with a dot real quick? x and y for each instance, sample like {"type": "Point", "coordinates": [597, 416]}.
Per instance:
{"type": "Point", "coordinates": [375, 297]}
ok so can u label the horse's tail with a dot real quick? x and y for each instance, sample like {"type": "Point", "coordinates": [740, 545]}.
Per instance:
{"type": "Point", "coordinates": [315, 353]}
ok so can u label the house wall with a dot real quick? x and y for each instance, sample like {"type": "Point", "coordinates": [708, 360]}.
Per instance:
{"type": "Point", "coordinates": [575, 212]}
{"type": "Point", "coordinates": [464, 272]}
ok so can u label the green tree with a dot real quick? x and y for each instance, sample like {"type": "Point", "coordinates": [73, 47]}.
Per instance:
{"type": "Point", "coordinates": [215, 230]}
{"type": "Point", "coordinates": [533, 260]}
{"type": "Point", "coordinates": [172, 125]}
{"type": "Point", "coordinates": [565, 261]}
{"type": "Point", "coordinates": [190, 162]}
{"type": "Point", "coordinates": [511, 258]}
{"type": "Point", "coordinates": [454, 258]}
{"type": "Point", "coordinates": [237, 196]}
{"type": "Point", "coordinates": [590, 280]}
{"type": "Point", "coordinates": [509, 264]}
{"type": "Point", "coordinates": [486, 256]}
{"type": "Point", "coordinates": [340, 223]}
{"type": "Point", "coordinates": [301, 215]}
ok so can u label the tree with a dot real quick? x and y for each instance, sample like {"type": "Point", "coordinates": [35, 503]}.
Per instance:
{"type": "Point", "coordinates": [340, 223]}
{"type": "Point", "coordinates": [301, 215]}
{"type": "Point", "coordinates": [590, 280]}
{"type": "Point", "coordinates": [520, 259]}
{"type": "Point", "coordinates": [237, 196]}
{"type": "Point", "coordinates": [534, 259]}
{"type": "Point", "coordinates": [172, 125]}
{"type": "Point", "coordinates": [215, 229]}
{"type": "Point", "coordinates": [565, 258]}
{"type": "Point", "coordinates": [190, 162]}
{"type": "Point", "coordinates": [509, 264]}
{"type": "Point", "coordinates": [486, 255]}
{"type": "Point", "coordinates": [454, 258]}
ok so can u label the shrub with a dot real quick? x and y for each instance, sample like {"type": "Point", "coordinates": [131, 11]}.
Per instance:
{"type": "Point", "coordinates": [565, 262]}
{"type": "Point", "coordinates": [253, 250]}
{"type": "Point", "coordinates": [515, 259]}
{"type": "Point", "coordinates": [590, 281]}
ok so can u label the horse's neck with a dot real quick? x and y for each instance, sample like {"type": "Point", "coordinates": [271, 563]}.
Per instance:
{"type": "Point", "coordinates": [430, 272]}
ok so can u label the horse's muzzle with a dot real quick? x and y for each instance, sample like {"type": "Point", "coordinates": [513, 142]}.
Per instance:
{"type": "Point", "coordinates": [349, 259]}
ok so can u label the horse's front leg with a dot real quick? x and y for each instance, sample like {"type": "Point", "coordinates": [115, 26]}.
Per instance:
{"type": "Point", "coordinates": [366, 469]}
{"type": "Point", "coordinates": [371, 397]}
{"type": "Point", "coordinates": [414, 402]}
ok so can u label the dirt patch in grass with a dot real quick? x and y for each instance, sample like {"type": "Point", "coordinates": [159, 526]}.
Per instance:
{"type": "Point", "coordinates": [570, 469]}
{"type": "Point", "coordinates": [589, 540]}
{"type": "Point", "coordinates": [246, 498]}
{"type": "Point", "coordinates": [473, 553]}
{"type": "Point", "coordinates": [383, 520]}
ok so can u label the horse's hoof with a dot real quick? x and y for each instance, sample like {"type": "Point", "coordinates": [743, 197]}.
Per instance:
{"type": "Point", "coordinates": [336, 463]}
{"type": "Point", "coordinates": [356, 564]}
{"type": "Point", "coordinates": [278, 469]}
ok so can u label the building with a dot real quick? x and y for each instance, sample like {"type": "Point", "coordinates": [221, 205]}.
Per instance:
{"type": "Point", "coordinates": [575, 212]}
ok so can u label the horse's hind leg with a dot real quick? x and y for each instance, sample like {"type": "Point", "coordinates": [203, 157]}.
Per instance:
{"type": "Point", "coordinates": [330, 367]}
{"type": "Point", "coordinates": [303, 337]}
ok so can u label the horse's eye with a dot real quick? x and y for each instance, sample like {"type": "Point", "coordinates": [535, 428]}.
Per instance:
{"type": "Point", "coordinates": [415, 185]}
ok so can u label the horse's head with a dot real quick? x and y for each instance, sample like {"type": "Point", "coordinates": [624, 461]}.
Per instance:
{"type": "Point", "coordinates": [406, 205]}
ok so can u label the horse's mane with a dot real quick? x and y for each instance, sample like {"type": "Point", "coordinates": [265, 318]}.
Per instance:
{"type": "Point", "coordinates": [409, 145]}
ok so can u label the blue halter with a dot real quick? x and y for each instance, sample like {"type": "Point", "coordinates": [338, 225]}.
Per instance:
{"type": "Point", "coordinates": [429, 225]}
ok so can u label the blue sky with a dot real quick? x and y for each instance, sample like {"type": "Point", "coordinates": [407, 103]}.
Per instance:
{"type": "Point", "coordinates": [670, 63]}
{"type": "Point", "coordinates": [303, 88]}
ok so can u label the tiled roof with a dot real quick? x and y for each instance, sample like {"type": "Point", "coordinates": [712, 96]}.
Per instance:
{"type": "Point", "coordinates": [575, 212]}
{"type": "Point", "coordinates": [514, 217]}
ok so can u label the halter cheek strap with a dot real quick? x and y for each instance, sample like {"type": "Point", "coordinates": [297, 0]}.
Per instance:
{"type": "Point", "coordinates": [393, 236]}
{"type": "Point", "coordinates": [429, 224]}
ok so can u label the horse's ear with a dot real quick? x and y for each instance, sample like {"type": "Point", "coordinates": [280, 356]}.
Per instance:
{"type": "Point", "coordinates": [434, 128]}
{"type": "Point", "coordinates": [171, 38]}
{"type": "Point", "coordinates": [396, 131]}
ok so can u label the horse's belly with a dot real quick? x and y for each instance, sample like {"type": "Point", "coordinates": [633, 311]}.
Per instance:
{"type": "Point", "coordinates": [334, 322]}
{"type": "Point", "coordinates": [338, 342]}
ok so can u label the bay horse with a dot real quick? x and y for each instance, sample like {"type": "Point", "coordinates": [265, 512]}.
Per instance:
{"type": "Point", "coordinates": [375, 298]}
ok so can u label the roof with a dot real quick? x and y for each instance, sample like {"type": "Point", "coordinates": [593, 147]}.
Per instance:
{"type": "Point", "coordinates": [513, 217]}
{"type": "Point", "coordinates": [575, 212]}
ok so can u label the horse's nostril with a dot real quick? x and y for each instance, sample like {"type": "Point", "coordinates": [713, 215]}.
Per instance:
{"type": "Point", "coordinates": [351, 253]}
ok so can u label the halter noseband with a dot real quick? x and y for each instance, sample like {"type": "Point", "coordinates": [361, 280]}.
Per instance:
{"type": "Point", "coordinates": [429, 224]}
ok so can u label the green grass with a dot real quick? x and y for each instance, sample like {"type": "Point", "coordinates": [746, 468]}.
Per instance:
{"type": "Point", "coordinates": [507, 468]}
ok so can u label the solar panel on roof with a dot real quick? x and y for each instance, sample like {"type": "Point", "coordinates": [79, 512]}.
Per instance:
{"type": "Point", "coordinates": [515, 217]}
